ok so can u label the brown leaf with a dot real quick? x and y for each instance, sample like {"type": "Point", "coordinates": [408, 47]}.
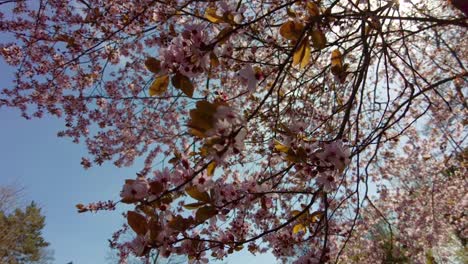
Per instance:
{"type": "Point", "coordinates": [202, 118]}
{"type": "Point", "coordinates": [167, 199]}
{"type": "Point", "coordinates": [291, 30]}
{"type": "Point", "coordinates": [193, 206]}
{"type": "Point", "coordinates": [179, 223]}
{"type": "Point", "coordinates": [153, 65]}
{"type": "Point", "coordinates": [156, 187]}
{"type": "Point", "coordinates": [81, 208]}
{"type": "Point", "coordinates": [183, 83]}
{"type": "Point", "coordinates": [205, 213]}
{"type": "Point", "coordinates": [224, 34]}
{"type": "Point", "coordinates": [313, 9]}
{"type": "Point", "coordinates": [319, 41]}
{"type": "Point", "coordinates": [214, 60]}
{"type": "Point", "coordinates": [154, 228]}
{"type": "Point", "coordinates": [137, 222]}
{"type": "Point", "coordinates": [197, 195]}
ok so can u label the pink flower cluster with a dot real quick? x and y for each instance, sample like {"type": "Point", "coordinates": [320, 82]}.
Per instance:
{"type": "Point", "coordinates": [187, 53]}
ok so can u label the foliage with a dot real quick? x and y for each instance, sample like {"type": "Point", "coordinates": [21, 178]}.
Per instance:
{"type": "Point", "coordinates": [262, 125]}
{"type": "Point", "coordinates": [21, 240]}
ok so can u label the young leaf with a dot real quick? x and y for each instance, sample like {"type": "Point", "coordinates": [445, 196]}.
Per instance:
{"type": "Point", "coordinates": [153, 65]}
{"type": "Point", "coordinates": [205, 213]}
{"type": "Point", "coordinates": [159, 86]}
{"type": "Point", "coordinates": [197, 195]}
{"type": "Point", "coordinates": [183, 83]}
{"type": "Point", "coordinates": [137, 222]}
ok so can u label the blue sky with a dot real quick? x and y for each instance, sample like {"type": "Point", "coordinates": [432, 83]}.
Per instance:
{"type": "Point", "coordinates": [49, 169]}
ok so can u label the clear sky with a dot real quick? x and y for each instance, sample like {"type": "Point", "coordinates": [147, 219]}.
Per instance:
{"type": "Point", "coordinates": [48, 167]}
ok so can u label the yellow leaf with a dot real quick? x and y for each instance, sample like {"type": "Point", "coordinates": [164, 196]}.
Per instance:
{"type": "Point", "coordinates": [280, 147]}
{"type": "Point", "coordinates": [153, 65]}
{"type": "Point", "coordinates": [183, 83]}
{"type": "Point", "coordinates": [197, 195]}
{"type": "Point", "coordinates": [299, 227]}
{"type": "Point", "coordinates": [306, 58]}
{"type": "Point", "coordinates": [291, 30]}
{"type": "Point", "coordinates": [316, 216]}
{"type": "Point", "coordinates": [214, 60]}
{"type": "Point", "coordinates": [336, 62]}
{"type": "Point", "coordinates": [211, 168]}
{"type": "Point", "coordinates": [159, 86]}
{"type": "Point", "coordinates": [302, 54]}
{"type": "Point", "coordinates": [295, 212]}
{"type": "Point", "coordinates": [196, 132]}
{"type": "Point", "coordinates": [319, 40]}
{"type": "Point", "coordinates": [339, 101]}
{"type": "Point", "coordinates": [210, 14]}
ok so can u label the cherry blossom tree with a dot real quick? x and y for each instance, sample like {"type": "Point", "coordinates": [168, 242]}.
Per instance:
{"type": "Point", "coordinates": [262, 124]}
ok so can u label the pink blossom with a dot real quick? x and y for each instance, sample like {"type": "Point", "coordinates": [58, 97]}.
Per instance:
{"type": "Point", "coordinates": [135, 190]}
{"type": "Point", "coordinates": [249, 77]}
{"type": "Point", "coordinates": [336, 154]}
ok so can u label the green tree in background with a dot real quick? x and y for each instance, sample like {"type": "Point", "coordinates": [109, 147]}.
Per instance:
{"type": "Point", "coordinates": [21, 238]}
